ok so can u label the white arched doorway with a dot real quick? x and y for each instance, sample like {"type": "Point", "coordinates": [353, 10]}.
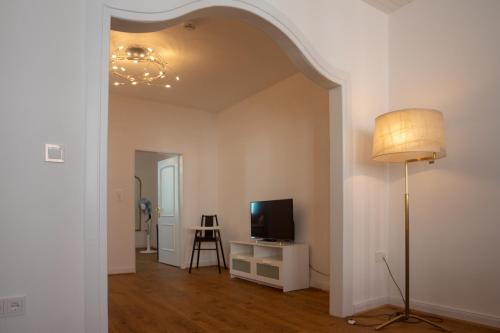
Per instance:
{"type": "Point", "coordinates": [100, 14]}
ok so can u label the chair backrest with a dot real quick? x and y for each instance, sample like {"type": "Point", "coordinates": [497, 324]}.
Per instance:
{"type": "Point", "coordinates": [209, 221]}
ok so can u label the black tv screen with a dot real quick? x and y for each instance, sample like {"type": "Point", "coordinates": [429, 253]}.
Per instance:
{"type": "Point", "coordinates": [272, 220]}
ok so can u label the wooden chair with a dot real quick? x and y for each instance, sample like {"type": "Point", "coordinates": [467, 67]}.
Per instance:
{"type": "Point", "coordinates": [210, 236]}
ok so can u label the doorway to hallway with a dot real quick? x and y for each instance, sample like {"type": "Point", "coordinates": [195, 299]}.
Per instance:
{"type": "Point", "coordinates": [157, 206]}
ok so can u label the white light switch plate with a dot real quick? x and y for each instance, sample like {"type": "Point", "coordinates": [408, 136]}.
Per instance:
{"type": "Point", "coordinates": [54, 153]}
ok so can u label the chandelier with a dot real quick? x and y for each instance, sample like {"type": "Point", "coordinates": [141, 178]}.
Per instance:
{"type": "Point", "coordinates": [138, 65]}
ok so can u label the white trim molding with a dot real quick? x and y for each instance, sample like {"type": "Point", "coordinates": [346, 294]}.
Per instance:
{"type": "Point", "coordinates": [435, 309]}
{"type": "Point", "coordinates": [99, 14]}
{"type": "Point", "coordinates": [450, 312]}
{"type": "Point", "coordinates": [370, 304]}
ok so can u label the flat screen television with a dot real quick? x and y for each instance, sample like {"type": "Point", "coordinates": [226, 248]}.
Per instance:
{"type": "Point", "coordinates": [272, 220]}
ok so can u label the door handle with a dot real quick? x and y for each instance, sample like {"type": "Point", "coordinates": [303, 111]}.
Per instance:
{"type": "Point", "coordinates": [158, 210]}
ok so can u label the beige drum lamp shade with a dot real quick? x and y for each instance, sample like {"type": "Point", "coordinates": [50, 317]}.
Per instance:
{"type": "Point", "coordinates": [409, 135]}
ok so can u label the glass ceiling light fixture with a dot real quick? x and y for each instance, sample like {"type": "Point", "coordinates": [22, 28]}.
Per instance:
{"type": "Point", "coordinates": [138, 65]}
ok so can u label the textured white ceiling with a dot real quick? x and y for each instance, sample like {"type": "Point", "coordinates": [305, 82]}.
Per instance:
{"type": "Point", "coordinates": [220, 63]}
{"type": "Point", "coordinates": [388, 6]}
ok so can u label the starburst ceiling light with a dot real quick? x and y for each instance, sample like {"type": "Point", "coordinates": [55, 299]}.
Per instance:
{"type": "Point", "coordinates": [138, 65]}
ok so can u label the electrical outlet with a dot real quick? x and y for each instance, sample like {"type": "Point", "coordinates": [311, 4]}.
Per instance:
{"type": "Point", "coordinates": [380, 255]}
{"type": "Point", "coordinates": [14, 306]}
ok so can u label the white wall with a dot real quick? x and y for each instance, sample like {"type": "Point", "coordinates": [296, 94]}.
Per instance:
{"type": "Point", "coordinates": [41, 101]}
{"type": "Point", "coordinates": [137, 124]}
{"type": "Point", "coordinates": [50, 106]}
{"type": "Point", "coordinates": [275, 145]}
{"type": "Point", "coordinates": [352, 36]}
{"type": "Point", "coordinates": [445, 55]}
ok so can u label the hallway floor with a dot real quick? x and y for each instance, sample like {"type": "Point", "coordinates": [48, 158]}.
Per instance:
{"type": "Point", "coordinates": [161, 298]}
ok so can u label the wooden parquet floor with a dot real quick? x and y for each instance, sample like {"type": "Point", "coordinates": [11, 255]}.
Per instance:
{"type": "Point", "coordinates": [160, 299]}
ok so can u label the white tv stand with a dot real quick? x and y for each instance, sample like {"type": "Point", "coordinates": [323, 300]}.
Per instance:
{"type": "Point", "coordinates": [279, 265]}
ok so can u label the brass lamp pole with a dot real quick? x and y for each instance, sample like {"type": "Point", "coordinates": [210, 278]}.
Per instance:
{"type": "Point", "coordinates": [409, 135]}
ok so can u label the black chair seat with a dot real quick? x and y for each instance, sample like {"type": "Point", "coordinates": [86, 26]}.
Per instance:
{"type": "Point", "coordinates": [206, 239]}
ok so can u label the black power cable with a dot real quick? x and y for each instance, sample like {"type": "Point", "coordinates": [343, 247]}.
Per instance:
{"type": "Point", "coordinates": [355, 320]}
{"type": "Point", "coordinates": [393, 279]}
{"type": "Point", "coordinates": [317, 271]}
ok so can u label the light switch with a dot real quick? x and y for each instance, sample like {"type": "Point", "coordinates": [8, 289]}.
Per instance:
{"type": "Point", "coordinates": [119, 195]}
{"type": "Point", "coordinates": [54, 153]}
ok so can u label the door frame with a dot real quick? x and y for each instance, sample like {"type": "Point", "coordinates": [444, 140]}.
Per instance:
{"type": "Point", "coordinates": [181, 200]}
{"type": "Point", "coordinates": [276, 24]}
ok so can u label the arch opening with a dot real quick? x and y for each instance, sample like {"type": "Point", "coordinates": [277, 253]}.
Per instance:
{"type": "Point", "coordinates": [310, 64]}
{"type": "Point", "coordinates": [295, 54]}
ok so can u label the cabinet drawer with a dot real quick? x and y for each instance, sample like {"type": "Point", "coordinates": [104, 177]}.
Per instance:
{"type": "Point", "coordinates": [268, 271]}
{"type": "Point", "coordinates": [241, 265]}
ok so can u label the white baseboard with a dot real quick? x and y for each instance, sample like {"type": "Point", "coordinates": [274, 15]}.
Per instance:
{"type": "Point", "coordinates": [370, 304]}
{"type": "Point", "coordinates": [120, 270]}
{"type": "Point", "coordinates": [319, 281]}
{"type": "Point", "coordinates": [446, 311]}
{"type": "Point", "coordinates": [440, 310]}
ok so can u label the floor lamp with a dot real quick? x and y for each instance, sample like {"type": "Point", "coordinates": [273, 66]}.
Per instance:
{"type": "Point", "coordinates": [405, 136]}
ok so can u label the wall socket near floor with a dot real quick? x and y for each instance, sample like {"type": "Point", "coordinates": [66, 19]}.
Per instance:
{"type": "Point", "coordinates": [380, 255]}
{"type": "Point", "coordinates": [12, 306]}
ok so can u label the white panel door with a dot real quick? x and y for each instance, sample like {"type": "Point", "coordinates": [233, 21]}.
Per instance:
{"type": "Point", "coordinates": [168, 211]}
